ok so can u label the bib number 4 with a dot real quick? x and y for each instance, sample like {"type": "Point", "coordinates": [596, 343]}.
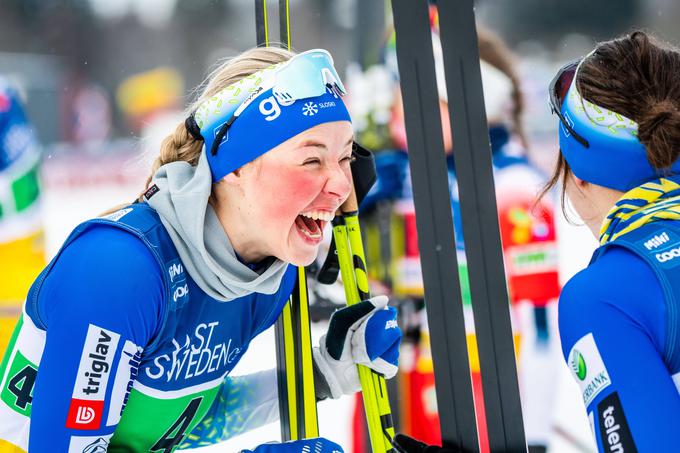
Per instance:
{"type": "Point", "coordinates": [17, 392]}
{"type": "Point", "coordinates": [175, 434]}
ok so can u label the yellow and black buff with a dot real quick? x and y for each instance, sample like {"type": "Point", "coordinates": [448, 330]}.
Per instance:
{"type": "Point", "coordinates": [652, 201]}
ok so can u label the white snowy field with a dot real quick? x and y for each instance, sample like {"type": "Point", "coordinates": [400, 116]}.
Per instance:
{"type": "Point", "coordinates": [65, 205]}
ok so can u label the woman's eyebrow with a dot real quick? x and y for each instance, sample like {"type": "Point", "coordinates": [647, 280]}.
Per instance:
{"type": "Point", "coordinates": [314, 143]}
{"type": "Point", "coordinates": [318, 144]}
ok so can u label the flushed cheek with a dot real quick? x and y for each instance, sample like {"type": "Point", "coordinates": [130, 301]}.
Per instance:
{"type": "Point", "coordinates": [292, 192]}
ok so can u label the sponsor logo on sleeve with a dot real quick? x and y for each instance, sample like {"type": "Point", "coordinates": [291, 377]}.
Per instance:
{"type": "Point", "coordinates": [664, 247]}
{"type": "Point", "coordinates": [614, 431]}
{"type": "Point", "coordinates": [588, 368]}
{"type": "Point", "coordinates": [176, 271]}
{"type": "Point", "coordinates": [179, 289]}
{"type": "Point", "coordinates": [391, 324]}
{"type": "Point", "coordinates": [116, 216]}
{"type": "Point", "coordinates": [656, 241]}
{"type": "Point", "coordinates": [87, 401]}
{"type": "Point", "coordinates": [89, 444]}
{"type": "Point", "coordinates": [126, 373]}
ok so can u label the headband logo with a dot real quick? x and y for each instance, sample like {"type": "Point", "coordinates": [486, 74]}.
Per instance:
{"type": "Point", "coordinates": [568, 119]}
{"type": "Point", "coordinates": [217, 130]}
{"type": "Point", "coordinates": [250, 98]}
{"type": "Point", "coordinates": [310, 109]}
{"type": "Point", "coordinates": [270, 108]}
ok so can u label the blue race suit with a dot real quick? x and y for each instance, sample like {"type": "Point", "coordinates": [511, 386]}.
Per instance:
{"type": "Point", "coordinates": [618, 321]}
{"type": "Point", "coordinates": [114, 322]}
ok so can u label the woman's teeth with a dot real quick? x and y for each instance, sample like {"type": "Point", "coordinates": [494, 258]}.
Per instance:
{"type": "Point", "coordinates": [319, 215]}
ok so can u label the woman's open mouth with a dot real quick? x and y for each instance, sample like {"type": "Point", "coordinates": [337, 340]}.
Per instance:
{"type": "Point", "coordinates": [310, 224]}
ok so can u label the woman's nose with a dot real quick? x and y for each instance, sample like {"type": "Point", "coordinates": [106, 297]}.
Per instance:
{"type": "Point", "coordinates": [339, 182]}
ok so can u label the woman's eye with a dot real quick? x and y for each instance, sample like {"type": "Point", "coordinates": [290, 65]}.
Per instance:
{"type": "Point", "coordinates": [312, 161]}
{"type": "Point", "coordinates": [348, 159]}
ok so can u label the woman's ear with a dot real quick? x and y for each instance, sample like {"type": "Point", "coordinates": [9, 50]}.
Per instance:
{"type": "Point", "coordinates": [233, 178]}
{"type": "Point", "coordinates": [579, 182]}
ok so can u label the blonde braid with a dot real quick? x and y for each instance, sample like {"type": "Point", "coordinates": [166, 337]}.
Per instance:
{"type": "Point", "coordinates": [180, 145]}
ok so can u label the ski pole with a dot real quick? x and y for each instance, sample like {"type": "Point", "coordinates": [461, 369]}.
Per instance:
{"type": "Point", "coordinates": [347, 235]}
{"type": "Point", "coordinates": [297, 397]}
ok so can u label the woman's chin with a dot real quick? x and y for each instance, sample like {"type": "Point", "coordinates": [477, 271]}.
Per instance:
{"type": "Point", "coordinates": [302, 259]}
{"type": "Point", "coordinates": [301, 250]}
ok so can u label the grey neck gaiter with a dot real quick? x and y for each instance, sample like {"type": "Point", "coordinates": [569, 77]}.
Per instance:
{"type": "Point", "coordinates": [200, 239]}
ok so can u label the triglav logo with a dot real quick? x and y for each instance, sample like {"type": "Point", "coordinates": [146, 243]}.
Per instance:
{"type": "Point", "coordinates": [84, 415]}
{"type": "Point", "coordinates": [98, 365]}
{"type": "Point", "coordinates": [87, 401]}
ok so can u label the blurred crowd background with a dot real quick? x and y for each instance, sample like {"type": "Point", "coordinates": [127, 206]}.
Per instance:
{"type": "Point", "coordinates": [94, 73]}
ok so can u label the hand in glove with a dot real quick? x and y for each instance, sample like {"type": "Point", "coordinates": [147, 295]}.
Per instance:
{"type": "Point", "coordinates": [318, 445]}
{"type": "Point", "coordinates": [365, 333]}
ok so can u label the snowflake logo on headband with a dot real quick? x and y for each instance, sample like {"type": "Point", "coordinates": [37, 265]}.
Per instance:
{"type": "Point", "coordinates": [310, 109]}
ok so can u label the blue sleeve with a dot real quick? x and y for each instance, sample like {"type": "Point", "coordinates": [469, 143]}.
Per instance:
{"type": "Point", "coordinates": [102, 303]}
{"type": "Point", "coordinates": [612, 321]}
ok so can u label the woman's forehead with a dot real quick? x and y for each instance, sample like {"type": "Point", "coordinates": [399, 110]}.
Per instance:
{"type": "Point", "coordinates": [327, 135]}
{"type": "Point", "coordinates": [341, 128]}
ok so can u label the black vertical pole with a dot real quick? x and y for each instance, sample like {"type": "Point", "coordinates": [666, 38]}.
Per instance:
{"type": "Point", "coordinates": [480, 226]}
{"type": "Point", "coordinates": [284, 24]}
{"type": "Point", "coordinates": [260, 22]}
{"type": "Point", "coordinates": [435, 225]}
{"type": "Point", "coordinates": [261, 34]}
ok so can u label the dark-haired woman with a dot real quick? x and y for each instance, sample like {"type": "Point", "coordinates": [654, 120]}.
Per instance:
{"type": "Point", "coordinates": [619, 318]}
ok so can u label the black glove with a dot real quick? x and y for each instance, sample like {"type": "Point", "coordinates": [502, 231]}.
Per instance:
{"type": "Point", "coordinates": [405, 444]}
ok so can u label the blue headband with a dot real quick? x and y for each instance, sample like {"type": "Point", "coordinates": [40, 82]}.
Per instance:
{"type": "Point", "coordinates": [266, 123]}
{"type": "Point", "coordinates": [263, 110]}
{"type": "Point", "coordinates": [615, 157]}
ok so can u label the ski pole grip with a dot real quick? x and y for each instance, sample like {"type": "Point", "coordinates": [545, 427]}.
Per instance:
{"type": "Point", "coordinates": [350, 205]}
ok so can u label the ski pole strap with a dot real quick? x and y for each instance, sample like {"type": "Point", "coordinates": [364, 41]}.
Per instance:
{"type": "Point", "coordinates": [363, 177]}
{"type": "Point", "coordinates": [364, 174]}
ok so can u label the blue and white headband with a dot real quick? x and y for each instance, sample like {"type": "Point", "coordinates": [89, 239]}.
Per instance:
{"type": "Point", "coordinates": [602, 146]}
{"type": "Point", "coordinates": [272, 106]}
